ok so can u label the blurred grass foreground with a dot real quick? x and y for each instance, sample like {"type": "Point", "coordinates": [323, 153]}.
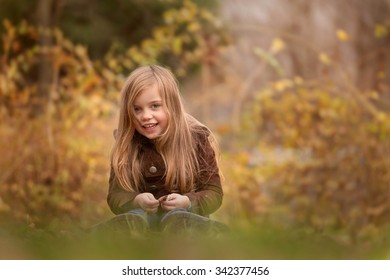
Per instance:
{"type": "Point", "coordinates": [301, 108]}
{"type": "Point", "coordinates": [264, 242]}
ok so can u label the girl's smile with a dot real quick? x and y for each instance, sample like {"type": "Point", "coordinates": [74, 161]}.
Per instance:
{"type": "Point", "coordinates": [151, 118]}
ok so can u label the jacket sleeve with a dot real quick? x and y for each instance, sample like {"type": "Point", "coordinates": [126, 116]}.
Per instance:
{"type": "Point", "coordinates": [119, 200]}
{"type": "Point", "coordinates": [208, 194]}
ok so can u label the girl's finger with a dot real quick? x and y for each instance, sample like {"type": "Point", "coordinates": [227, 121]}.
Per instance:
{"type": "Point", "coordinates": [168, 208]}
{"type": "Point", "coordinates": [163, 198]}
{"type": "Point", "coordinates": [166, 204]}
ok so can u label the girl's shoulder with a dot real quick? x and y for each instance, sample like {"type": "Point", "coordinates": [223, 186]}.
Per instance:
{"type": "Point", "coordinates": [202, 136]}
{"type": "Point", "coordinates": [198, 130]}
{"type": "Point", "coordinates": [205, 143]}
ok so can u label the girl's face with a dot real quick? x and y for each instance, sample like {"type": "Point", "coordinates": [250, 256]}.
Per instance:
{"type": "Point", "coordinates": [151, 120]}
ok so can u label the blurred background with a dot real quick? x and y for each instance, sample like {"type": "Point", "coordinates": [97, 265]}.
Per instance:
{"type": "Point", "coordinates": [297, 93]}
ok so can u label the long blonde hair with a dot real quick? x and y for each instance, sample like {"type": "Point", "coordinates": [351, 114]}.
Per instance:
{"type": "Point", "coordinates": [176, 145]}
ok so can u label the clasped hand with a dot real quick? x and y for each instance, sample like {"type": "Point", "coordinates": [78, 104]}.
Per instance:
{"type": "Point", "coordinates": [150, 204]}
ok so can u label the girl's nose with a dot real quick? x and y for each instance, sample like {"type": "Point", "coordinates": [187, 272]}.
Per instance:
{"type": "Point", "coordinates": [147, 115]}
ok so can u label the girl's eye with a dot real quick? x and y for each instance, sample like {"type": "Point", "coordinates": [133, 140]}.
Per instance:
{"type": "Point", "coordinates": [136, 109]}
{"type": "Point", "coordinates": [155, 106]}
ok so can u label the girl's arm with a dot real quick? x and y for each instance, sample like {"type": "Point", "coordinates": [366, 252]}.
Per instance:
{"type": "Point", "coordinates": [206, 201]}
{"type": "Point", "coordinates": [119, 200]}
{"type": "Point", "coordinates": [207, 197]}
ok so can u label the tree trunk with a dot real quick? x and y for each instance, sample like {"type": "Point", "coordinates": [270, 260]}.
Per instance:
{"type": "Point", "coordinates": [45, 22]}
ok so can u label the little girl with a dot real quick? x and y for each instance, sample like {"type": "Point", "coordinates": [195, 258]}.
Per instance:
{"type": "Point", "coordinates": [164, 172]}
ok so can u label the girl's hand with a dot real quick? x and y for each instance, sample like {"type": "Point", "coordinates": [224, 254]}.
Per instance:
{"type": "Point", "coordinates": [147, 202]}
{"type": "Point", "coordinates": [174, 201]}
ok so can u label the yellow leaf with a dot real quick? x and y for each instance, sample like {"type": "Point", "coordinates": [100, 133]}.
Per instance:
{"type": "Point", "coordinates": [342, 35]}
{"type": "Point", "coordinates": [381, 75]}
{"type": "Point", "coordinates": [282, 85]}
{"type": "Point", "coordinates": [380, 31]}
{"type": "Point", "coordinates": [381, 117]}
{"type": "Point", "coordinates": [169, 16]}
{"type": "Point", "coordinates": [7, 24]}
{"type": "Point", "coordinates": [324, 58]}
{"type": "Point", "coordinates": [4, 207]}
{"type": "Point", "coordinates": [128, 63]}
{"type": "Point", "coordinates": [177, 45]}
{"type": "Point", "coordinates": [373, 94]}
{"type": "Point", "coordinates": [277, 45]}
{"type": "Point", "coordinates": [206, 15]}
{"type": "Point", "coordinates": [163, 34]}
{"type": "Point", "coordinates": [193, 27]}
{"type": "Point", "coordinates": [298, 80]}
{"type": "Point", "coordinates": [242, 158]}
{"type": "Point", "coordinates": [112, 63]}
{"type": "Point", "coordinates": [80, 50]}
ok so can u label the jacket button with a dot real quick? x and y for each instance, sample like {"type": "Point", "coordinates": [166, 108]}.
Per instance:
{"type": "Point", "coordinates": [152, 169]}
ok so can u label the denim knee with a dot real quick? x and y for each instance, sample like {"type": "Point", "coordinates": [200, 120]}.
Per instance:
{"type": "Point", "coordinates": [139, 212]}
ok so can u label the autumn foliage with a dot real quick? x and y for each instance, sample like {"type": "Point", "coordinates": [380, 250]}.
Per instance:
{"type": "Point", "coordinates": [313, 153]}
{"type": "Point", "coordinates": [332, 171]}
{"type": "Point", "coordinates": [48, 160]}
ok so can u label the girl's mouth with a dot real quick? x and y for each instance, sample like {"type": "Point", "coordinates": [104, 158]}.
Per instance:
{"type": "Point", "coordinates": [149, 126]}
